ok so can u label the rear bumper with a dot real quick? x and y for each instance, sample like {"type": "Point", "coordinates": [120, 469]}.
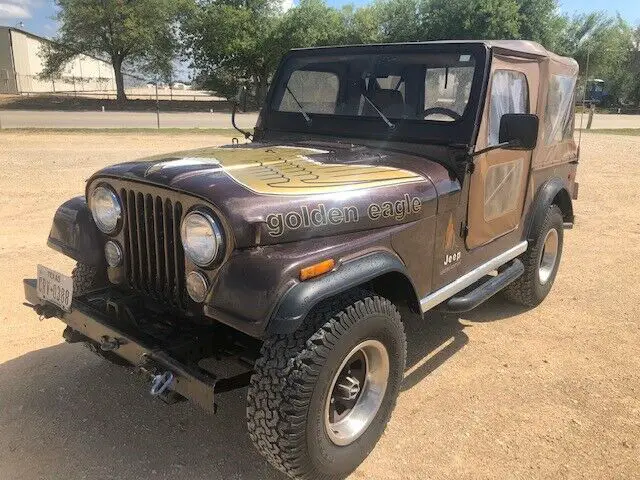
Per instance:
{"type": "Point", "coordinates": [143, 351]}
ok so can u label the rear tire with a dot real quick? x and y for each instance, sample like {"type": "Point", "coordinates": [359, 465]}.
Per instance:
{"type": "Point", "coordinates": [301, 387]}
{"type": "Point", "coordinates": [541, 262]}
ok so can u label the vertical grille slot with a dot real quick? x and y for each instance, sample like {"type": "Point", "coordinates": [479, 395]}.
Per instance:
{"type": "Point", "coordinates": [154, 258]}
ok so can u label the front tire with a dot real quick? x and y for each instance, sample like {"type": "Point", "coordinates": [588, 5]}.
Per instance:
{"type": "Point", "coordinates": [320, 398]}
{"type": "Point", "coordinates": [541, 262]}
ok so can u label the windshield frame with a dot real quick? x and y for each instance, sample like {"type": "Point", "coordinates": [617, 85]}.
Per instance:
{"type": "Point", "coordinates": [460, 132]}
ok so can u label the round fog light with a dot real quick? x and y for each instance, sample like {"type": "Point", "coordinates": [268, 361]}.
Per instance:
{"type": "Point", "coordinates": [113, 253]}
{"type": "Point", "coordinates": [197, 286]}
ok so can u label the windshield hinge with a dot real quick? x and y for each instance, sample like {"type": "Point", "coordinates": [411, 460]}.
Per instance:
{"type": "Point", "coordinates": [471, 166]}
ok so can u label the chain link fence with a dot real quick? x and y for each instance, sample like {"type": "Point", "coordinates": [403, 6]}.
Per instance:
{"type": "Point", "coordinates": [105, 88]}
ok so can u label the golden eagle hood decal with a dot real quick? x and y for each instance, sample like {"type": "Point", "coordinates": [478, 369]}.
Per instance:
{"type": "Point", "coordinates": [273, 194]}
{"type": "Point", "coordinates": [290, 171]}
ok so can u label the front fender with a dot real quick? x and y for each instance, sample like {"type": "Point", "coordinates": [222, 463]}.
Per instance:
{"type": "Point", "coordinates": [74, 233]}
{"type": "Point", "coordinates": [258, 290]}
{"type": "Point", "coordinates": [302, 297]}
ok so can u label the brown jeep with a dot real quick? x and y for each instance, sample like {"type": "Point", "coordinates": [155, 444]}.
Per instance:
{"type": "Point", "coordinates": [429, 174]}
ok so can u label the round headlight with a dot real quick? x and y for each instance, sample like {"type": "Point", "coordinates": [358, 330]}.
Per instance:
{"type": "Point", "coordinates": [201, 238]}
{"type": "Point", "coordinates": [106, 209]}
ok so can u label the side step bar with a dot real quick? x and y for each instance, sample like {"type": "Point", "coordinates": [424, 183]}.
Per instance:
{"type": "Point", "coordinates": [487, 289]}
{"type": "Point", "coordinates": [469, 278]}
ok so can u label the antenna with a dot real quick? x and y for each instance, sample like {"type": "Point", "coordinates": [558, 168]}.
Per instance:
{"type": "Point", "coordinates": [584, 100]}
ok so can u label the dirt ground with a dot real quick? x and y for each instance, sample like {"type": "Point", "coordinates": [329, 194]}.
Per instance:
{"type": "Point", "coordinates": [499, 393]}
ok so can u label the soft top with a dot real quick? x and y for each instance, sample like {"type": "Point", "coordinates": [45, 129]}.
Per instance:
{"type": "Point", "coordinates": [529, 48]}
{"type": "Point", "coordinates": [516, 47]}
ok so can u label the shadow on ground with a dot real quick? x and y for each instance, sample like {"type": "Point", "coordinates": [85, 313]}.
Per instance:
{"type": "Point", "coordinates": [436, 338]}
{"type": "Point", "coordinates": [65, 413]}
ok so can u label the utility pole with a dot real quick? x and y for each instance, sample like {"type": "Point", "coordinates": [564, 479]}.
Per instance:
{"type": "Point", "coordinates": [157, 105]}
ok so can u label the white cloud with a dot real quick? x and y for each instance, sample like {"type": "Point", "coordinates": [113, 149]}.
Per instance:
{"type": "Point", "coordinates": [15, 9]}
{"type": "Point", "coordinates": [286, 5]}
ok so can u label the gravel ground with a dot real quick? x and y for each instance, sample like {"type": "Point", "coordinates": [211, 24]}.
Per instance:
{"type": "Point", "coordinates": [498, 393]}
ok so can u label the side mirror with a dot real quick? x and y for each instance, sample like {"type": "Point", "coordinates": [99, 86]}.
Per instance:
{"type": "Point", "coordinates": [519, 131]}
{"type": "Point", "coordinates": [241, 96]}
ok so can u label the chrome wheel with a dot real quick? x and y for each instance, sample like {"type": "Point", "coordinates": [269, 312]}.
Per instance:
{"type": "Point", "coordinates": [356, 392]}
{"type": "Point", "coordinates": [548, 257]}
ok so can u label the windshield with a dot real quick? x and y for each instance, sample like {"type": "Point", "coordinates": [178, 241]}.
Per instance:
{"type": "Point", "coordinates": [428, 87]}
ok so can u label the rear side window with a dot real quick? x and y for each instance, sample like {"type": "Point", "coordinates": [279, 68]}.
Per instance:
{"type": "Point", "coordinates": [509, 94]}
{"type": "Point", "coordinates": [316, 91]}
{"type": "Point", "coordinates": [559, 113]}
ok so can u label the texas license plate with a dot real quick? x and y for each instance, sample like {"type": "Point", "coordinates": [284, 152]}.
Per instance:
{"type": "Point", "coordinates": [55, 287]}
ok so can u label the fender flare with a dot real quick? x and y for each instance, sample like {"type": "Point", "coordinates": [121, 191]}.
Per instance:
{"type": "Point", "coordinates": [298, 301]}
{"type": "Point", "coordinates": [75, 234]}
{"type": "Point", "coordinates": [553, 191]}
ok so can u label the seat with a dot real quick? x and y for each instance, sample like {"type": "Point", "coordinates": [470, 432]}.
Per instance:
{"type": "Point", "coordinates": [389, 101]}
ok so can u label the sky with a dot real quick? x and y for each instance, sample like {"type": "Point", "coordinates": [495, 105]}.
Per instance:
{"type": "Point", "coordinates": [35, 16]}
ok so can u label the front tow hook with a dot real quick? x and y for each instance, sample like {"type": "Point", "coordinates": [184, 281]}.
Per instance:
{"type": "Point", "coordinates": [160, 382]}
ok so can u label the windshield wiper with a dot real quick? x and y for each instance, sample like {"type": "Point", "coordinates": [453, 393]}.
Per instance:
{"type": "Point", "coordinates": [306, 116]}
{"type": "Point", "coordinates": [382, 115]}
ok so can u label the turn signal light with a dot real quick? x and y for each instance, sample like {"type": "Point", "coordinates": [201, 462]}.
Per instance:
{"type": "Point", "coordinates": [317, 269]}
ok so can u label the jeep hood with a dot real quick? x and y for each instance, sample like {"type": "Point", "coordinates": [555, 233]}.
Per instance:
{"type": "Point", "coordinates": [270, 194]}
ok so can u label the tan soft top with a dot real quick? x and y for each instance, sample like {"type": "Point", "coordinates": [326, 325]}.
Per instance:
{"type": "Point", "coordinates": [530, 48]}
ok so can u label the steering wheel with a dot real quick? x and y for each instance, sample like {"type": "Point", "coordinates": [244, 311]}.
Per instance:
{"type": "Point", "coordinates": [443, 111]}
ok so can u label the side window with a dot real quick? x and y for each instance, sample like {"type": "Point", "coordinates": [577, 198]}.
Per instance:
{"type": "Point", "coordinates": [316, 91]}
{"type": "Point", "coordinates": [502, 188]}
{"type": "Point", "coordinates": [509, 94]}
{"type": "Point", "coordinates": [558, 116]}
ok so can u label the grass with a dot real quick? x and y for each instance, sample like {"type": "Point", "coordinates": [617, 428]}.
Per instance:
{"type": "Point", "coordinates": [614, 131]}
{"type": "Point", "coordinates": [132, 131]}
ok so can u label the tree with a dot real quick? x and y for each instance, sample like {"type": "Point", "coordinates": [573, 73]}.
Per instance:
{"type": "Point", "coordinates": [229, 42]}
{"type": "Point", "coordinates": [540, 21]}
{"type": "Point", "coordinates": [242, 42]}
{"type": "Point", "coordinates": [133, 32]}
{"type": "Point", "coordinates": [470, 19]}
{"type": "Point", "coordinates": [400, 20]}
{"type": "Point", "coordinates": [311, 24]}
{"type": "Point", "coordinates": [362, 25]}
{"type": "Point", "coordinates": [607, 43]}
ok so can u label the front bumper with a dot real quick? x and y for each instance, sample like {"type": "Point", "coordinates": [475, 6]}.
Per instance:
{"type": "Point", "coordinates": [179, 353]}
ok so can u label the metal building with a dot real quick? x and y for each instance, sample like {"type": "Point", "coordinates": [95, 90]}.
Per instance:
{"type": "Point", "coordinates": [21, 63]}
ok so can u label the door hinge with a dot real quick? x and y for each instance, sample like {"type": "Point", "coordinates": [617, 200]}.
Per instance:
{"type": "Point", "coordinates": [464, 230]}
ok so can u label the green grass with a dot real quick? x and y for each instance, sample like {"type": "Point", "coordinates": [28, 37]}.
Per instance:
{"type": "Point", "coordinates": [614, 131]}
{"type": "Point", "coordinates": [231, 132]}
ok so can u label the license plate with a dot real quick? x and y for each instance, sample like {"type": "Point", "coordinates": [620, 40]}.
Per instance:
{"type": "Point", "coordinates": [55, 287]}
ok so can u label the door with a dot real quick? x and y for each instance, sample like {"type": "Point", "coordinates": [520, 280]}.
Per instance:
{"type": "Point", "coordinates": [499, 178]}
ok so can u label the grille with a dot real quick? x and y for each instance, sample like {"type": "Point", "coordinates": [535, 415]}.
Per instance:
{"type": "Point", "coordinates": [154, 258]}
